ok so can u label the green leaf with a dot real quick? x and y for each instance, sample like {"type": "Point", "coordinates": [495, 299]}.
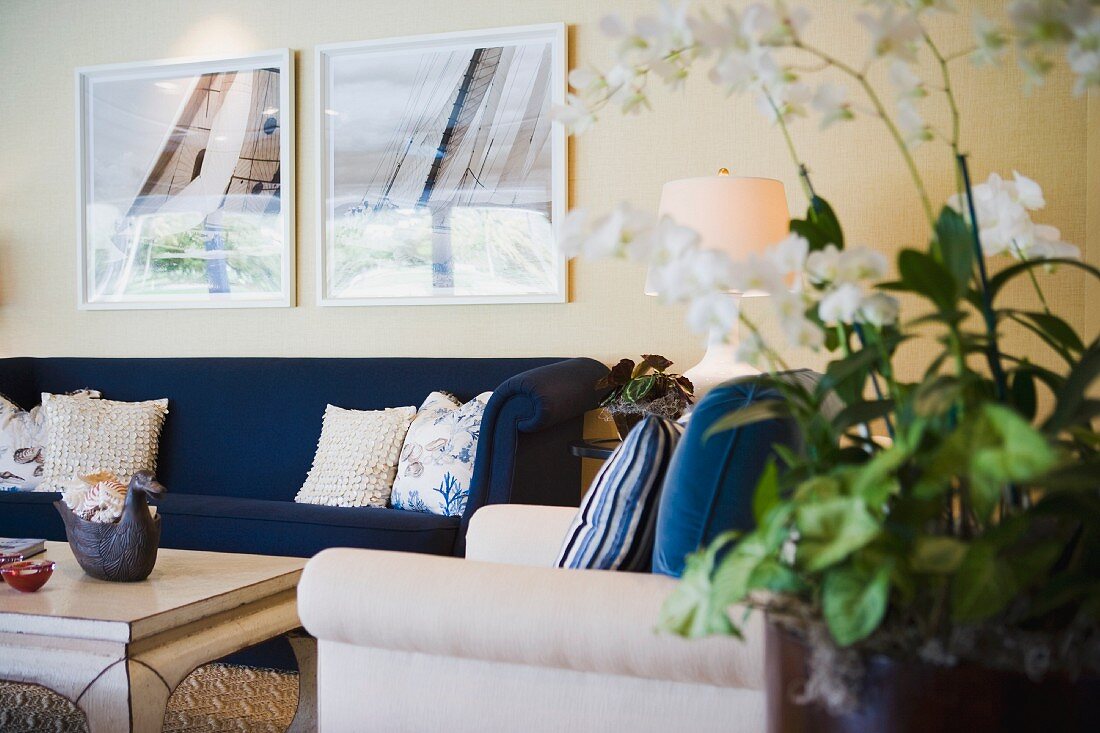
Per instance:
{"type": "Point", "coordinates": [698, 606]}
{"type": "Point", "coordinates": [937, 555]}
{"type": "Point", "coordinates": [1083, 476]}
{"type": "Point", "coordinates": [752, 413]}
{"type": "Point", "coordinates": [1070, 397]}
{"type": "Point", "coordinates": [1055, 327]}
{"type": "Point", "coordinates": [775, 577]}
{"type": "Point", "coordinates": [1022, 392]}
{"type": "Point", "coordinates": [875, 480]}
{"type": "Point", "coordinates": [955, 247]}
{"type": "Point", "coordinates": [811, 232]}
{"type": "Point", "coordinates": [1002, 278]}
{"type": "Point", "coordinates": [1005, 449]}
{"type": "Point", "coordinates": [833, 529]}
{"type": "Point", "coordinates": [862, 412]}
{"type": "Point", "coordinates": [766, 495]}
{"type": "Point", "coordinates": [847, 377]}
{"type": "Point", "coordinates": [983, 585]}
{"type": "Point", "coordinates": [822, 214]}
{"type": "Point", "coordinates": [922, 274]}
{"type": "Point", "coordinates": [638, 388]}
{"type": "Point", "coordinates": [854, 601]}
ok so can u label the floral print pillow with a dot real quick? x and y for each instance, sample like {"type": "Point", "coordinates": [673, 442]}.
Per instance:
{"type": "Point", "coordinates": [23, 443]}
{"type": "Point", "coordinates": [437, 459]}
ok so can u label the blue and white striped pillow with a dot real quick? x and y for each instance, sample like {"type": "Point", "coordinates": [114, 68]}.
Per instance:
{"type": "Point", "coordinates": [614, 527]}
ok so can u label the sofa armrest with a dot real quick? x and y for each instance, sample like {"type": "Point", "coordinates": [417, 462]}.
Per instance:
{"type": "Point", "coordinates": [585, 620]}
{"type": "Point", "coordinates": [518, 534]}
{"type": "Point", "coordinates": [523, 449]}
{"type": "Point", "coordinates": [549, 395]}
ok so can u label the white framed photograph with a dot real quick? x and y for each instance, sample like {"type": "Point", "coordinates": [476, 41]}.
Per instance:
{"type": "Point", "coordinates": [185, 172]}
{"type": "Point", "coordinates": [442, 175]}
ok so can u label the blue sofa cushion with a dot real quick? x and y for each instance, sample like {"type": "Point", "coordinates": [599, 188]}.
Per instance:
{"type": "Point", "coordinates": [232, 524]}
{"type": "Point", "coordinates": [710, 483]}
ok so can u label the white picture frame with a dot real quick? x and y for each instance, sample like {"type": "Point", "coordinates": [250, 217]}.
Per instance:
{"type": "Point", "coordinates": [541, 277]}
{"type": "Point", "coordinates": [177, 153]}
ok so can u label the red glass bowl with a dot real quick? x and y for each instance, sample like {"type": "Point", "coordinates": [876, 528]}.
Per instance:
{"type": "Point", "coordinates": [29, 575]}
{"type": "Point", "coordinates": [8, 558]}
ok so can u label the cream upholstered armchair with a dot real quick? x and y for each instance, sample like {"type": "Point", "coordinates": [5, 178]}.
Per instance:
{"type": "Point", "coordinates": [503, 641]}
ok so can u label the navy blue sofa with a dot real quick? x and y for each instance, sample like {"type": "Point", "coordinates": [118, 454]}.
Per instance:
{"type": "Point", "coordinates": [241, 434]}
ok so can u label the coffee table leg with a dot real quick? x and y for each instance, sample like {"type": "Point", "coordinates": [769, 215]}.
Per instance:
{"type": "Point", "coordinates": [127, 696]}
{"type": "Point", "coordinates": [305, 651]}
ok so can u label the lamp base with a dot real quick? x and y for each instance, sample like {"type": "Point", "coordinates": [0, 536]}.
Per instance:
{"type": "Point", "coordinates": [718, 365]}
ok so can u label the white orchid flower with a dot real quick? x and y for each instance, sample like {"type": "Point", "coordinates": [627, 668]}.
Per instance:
{"type": "Point", "coordinates": [841, 304]}
{"type": "Point", "coordinates": [912, 124]}
{"type": "Point", "coordinates": [992, 41]}
{"type": "Point", "coordinates": [789, 254]}
{"type": "Point", "coordinates": [860, 263]}
{"type": "Point", "coordinates": [822, 265]}
{"type": "Point", "coordinates": [906, 81]}
{"type": "Point", "coordinates": [831, 101]}
{"type": "Point", "coordinates": [879, 309]}
{"type": "Point", "coordinates": [893, 34]}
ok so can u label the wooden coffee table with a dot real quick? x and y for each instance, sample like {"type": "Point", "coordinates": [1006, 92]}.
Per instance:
{"type": "Point", "coordinates": [118, 650]}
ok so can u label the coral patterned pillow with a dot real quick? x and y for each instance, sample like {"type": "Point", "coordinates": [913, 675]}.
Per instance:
{"type": "Point", "coordinates": [437, 460]}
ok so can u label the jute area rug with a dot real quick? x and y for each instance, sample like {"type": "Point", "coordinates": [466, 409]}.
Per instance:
{"type": "Point", "coordinates": [214, 698]}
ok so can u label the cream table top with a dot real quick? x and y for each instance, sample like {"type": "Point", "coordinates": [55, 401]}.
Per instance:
{"type": "Point", "coordinates": [185, 586]}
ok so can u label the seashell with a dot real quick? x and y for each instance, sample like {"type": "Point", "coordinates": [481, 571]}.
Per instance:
{"type": "Point", "coordinates": [437, 444]}
{"type": "Point", "coordinates": [103, 501]}
{"type": "Point", "coordinates": [27, 455]}
{"type": "Point", "coordinates": [94, 478]}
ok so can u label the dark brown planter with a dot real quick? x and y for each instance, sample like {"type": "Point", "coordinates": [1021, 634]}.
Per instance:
{"type": "Point", "coordinates": [124, 551]}
{"type": "Point", "coordinates": [912, 697]}
{"type": "Point", "coordinates": [625, 422]}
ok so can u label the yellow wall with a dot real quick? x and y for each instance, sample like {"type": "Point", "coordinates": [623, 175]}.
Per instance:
{"type": "Point", "coordinates": [690, 133]}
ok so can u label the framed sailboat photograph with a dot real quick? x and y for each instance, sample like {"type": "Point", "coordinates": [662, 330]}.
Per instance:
{"type": "Point", "coordinates": [185, 172]}
{"type": "Point", "coordinates": [441, 170]}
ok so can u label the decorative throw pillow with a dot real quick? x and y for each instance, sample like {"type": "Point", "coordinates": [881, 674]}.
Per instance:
{"type": "Point", "coordinates": [614, 527]}
{"type": "Point", "coordinates": [93, 436]}
{"type": "Point", "coordinates": [437, 460]}
{"type": "Point", "coordinates": [356, 458]}
{"type": "Point", "coordinates": [23, 443]}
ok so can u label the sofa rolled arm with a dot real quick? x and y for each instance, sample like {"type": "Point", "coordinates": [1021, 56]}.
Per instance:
{"type": "Point", "coordinates": [584, 620]}
{"type": "Point", "coordinates": [523, 450]}
{"type": "Point", "coordinates": [518, 534]}
{"type": "Point", "coordinates": [549, 395]}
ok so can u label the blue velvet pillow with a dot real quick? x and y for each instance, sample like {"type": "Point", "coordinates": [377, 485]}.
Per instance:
{"type": "Point", "coordinates": [710, 483]}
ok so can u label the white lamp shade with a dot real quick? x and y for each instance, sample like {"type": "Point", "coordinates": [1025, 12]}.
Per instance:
{"type": "Point", "coordinates": [732, 214]}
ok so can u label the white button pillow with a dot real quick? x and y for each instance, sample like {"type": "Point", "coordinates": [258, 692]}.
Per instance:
{"type": "Point", "coordinates": [437, 460]}
{"type": "Point", "coordinates": [356, 457]}
{"type": "Point", "coordinates": [23, 441]}
{"type": "Point", "coordinates": [96, 436]}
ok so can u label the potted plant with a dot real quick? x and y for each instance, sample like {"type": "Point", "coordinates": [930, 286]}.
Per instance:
{"type": "Point", "coordinates": [948, 578]}
{"type": "Point", "coordinates": [641, 389]}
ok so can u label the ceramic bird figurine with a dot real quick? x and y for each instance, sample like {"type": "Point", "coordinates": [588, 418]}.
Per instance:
{"type": "Point", "coordinates": [125, 550]}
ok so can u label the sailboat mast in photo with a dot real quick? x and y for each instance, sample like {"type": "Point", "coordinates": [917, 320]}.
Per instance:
{"type": "Point", "coordinates": [221, 156]}
{"type": "Point", "coordinates": [454, 156]}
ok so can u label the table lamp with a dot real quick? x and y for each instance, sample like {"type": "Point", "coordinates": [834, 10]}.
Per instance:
{"type": "Point", "coordinates": [732, 214]}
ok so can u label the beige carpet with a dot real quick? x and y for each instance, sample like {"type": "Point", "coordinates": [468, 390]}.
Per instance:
{"type": "Point", "coordinates": [214, 698]}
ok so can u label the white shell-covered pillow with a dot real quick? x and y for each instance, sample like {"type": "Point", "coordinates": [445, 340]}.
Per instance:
{"type": "Point", "coordinates": [356, 457]}
{"type": "Point", "coordinates": [99, 436]}
{"type": "Point", "coordinates": [23, 441]}
{"type": "Point", "coordinates": [437, 460]}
